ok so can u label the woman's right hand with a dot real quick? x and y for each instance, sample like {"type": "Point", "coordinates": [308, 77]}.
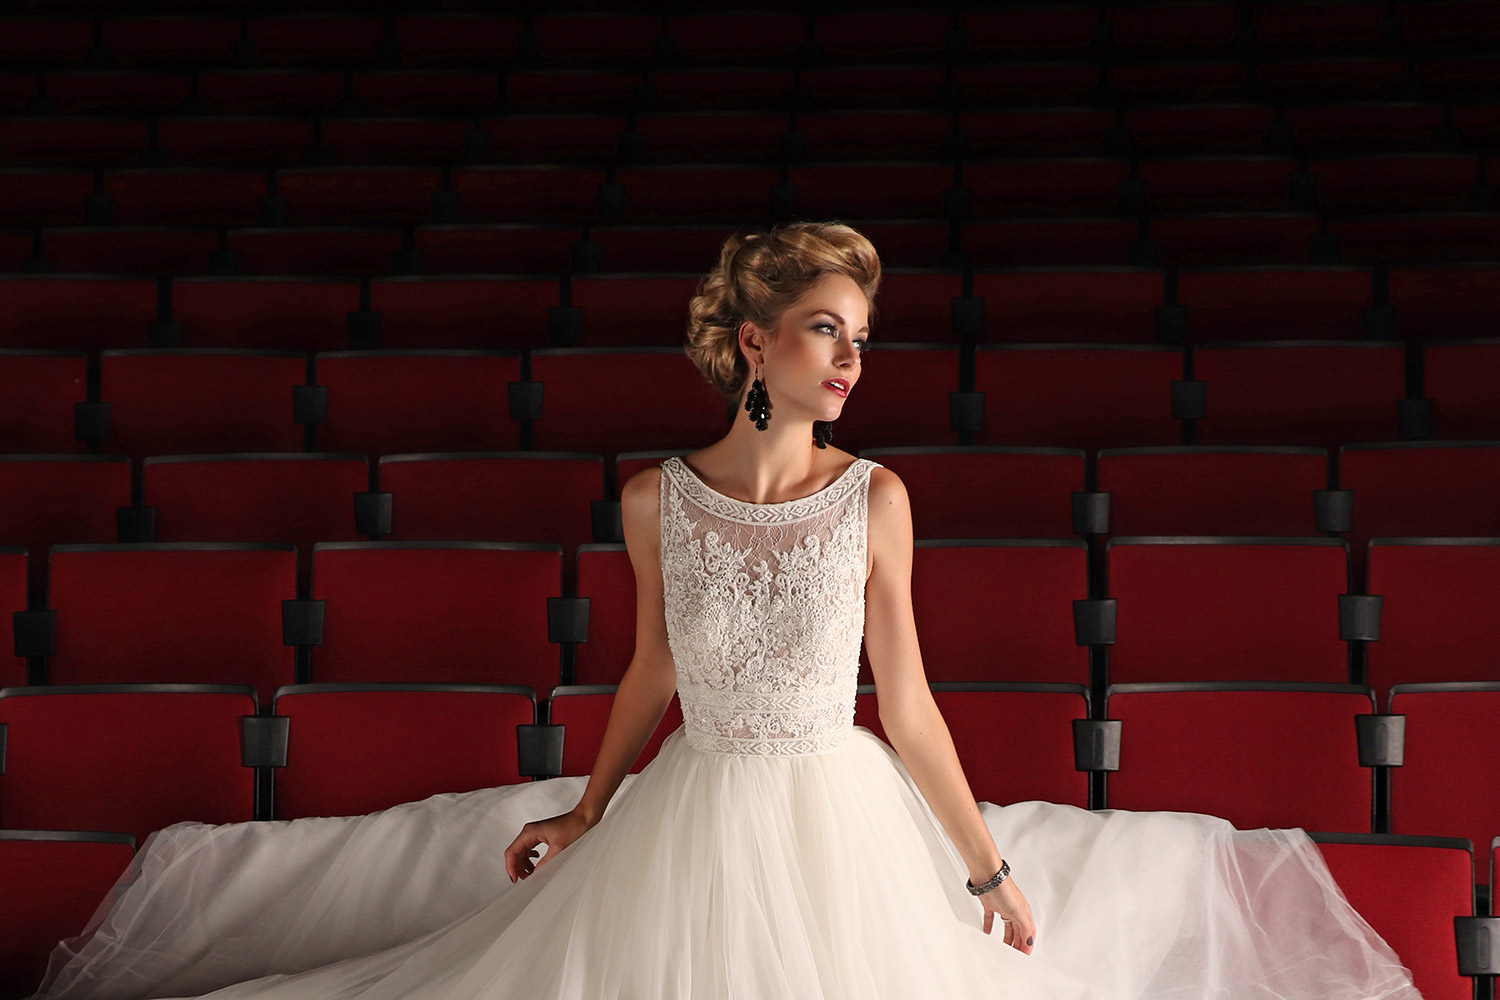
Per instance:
{"type": "Point", "coordinates": [557, 832]}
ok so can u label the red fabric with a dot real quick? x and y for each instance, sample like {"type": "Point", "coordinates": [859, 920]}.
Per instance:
{"type": "Point", "coordinates": [588, 392]}
{"type": "Point", "coordinates": [299, 314]}
{"type": "Point", "coordinates": [186, 197]}
{"type": "Point", "coordinates": [496, 249]}
{"type": "Point", "coordinates": [1275, 759]}
{"type": "Point", "coordinates": [917, 306]}
{"type": "Point", "coordinates": [528, 194]}
{"type": "Point", "coordinates": [499, 497]}
{"type": "Point", "coordinates": [1078, 397]}
{"type": "Point", "coordinates": [1305, 394]}
{"type": "Point", "coordinates": [585, 714]}
{"type": "Point", "coordinates": [12, 599]}
{"type": "Point", "coordinates": [1106, 304]}
{"type": "Point", "coordinates": [1025, 491]}
{"type": "Point", "coordinates": [132, 761]}
{"type": "Point", "coordinates": [1443, 789]}
{"type": "Point", "coordinates": [358, 195]}
{"type": "Point", "coordinates": [76, 312]}
{"type": "Point", "coordinates": [1445, 300]}
{"type": "Point", "coordinates": [999, 612]}
{"type": "Point", "coordinates": [51, 889]}
{"type": "Point", "coordinates": [382, 403]}
{"type": "Point", "coordinates": [1437, 611]}
{"type": "Point", "coordinates": [345, 251]}
{"type": "Point", "coordinates": [37, 394]}
{"type": "Point", "coordinates": [1410, 895]}
{"type": "Point", "coordinates": [1465, 395]}
{"type": "Point", "coordinates": [182, 402]}
{"type": "Point", "coordinates": [1227, 611]}
{"type": "Point", "coordinates": [1221, 184]}
{"type": "Point", "coordinates": [1316, 302]}
{"type": "Point", "coordinates": [155, 614]}
{"type": "Point", "coordinates": [355, 752]}
{"type": "Point", "coordinates": [46, 501]}
{"type": "Point", "coordinates": [1045, 187]}
{"type": "Point", "coordinates": [147, 250]}
{"type": "Point", "coordinates": [901, 397]}
{"type": "Point", "coordinates": [607, 578]}
{"type": "Point", "coordinates": [429, 614]}
{"type": "Point", "coordinates": [1193, 491]}
{"type": "Point", "coordinates": [461, 311]}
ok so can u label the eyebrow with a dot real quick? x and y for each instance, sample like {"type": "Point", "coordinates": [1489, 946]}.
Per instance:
{"type": "Point", "coordinates": [830, 312]}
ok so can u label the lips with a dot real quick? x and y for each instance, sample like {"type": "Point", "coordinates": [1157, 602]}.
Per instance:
{"type": "Point", "coordinates": [839, 386]}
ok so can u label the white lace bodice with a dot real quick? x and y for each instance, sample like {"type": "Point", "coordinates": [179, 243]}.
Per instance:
{"type": "Point", "coordinates": [765, 608]}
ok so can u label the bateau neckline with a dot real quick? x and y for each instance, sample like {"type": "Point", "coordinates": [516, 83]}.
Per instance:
{"type": "Point", "coordinates": [698, 480]}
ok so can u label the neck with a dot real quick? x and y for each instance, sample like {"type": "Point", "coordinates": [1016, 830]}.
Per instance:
{"type": "Point", "coordinates": [761, 466]}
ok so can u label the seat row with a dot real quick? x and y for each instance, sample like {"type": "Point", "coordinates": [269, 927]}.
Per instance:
{"type": "Point", "coordinates": [729, 193]}
{"type": "Point", "coordinates": [1278, 755]}
{"type": "Point", "coordinates": [776, 137]}
{"type": "Point", "coordinates": [752, 85]}
{"type": "Point", "coordinates": [766, 35]}
{"type": "Point", "coordinates": [1326, 394]}
{"type": "Point", "coordinates": [53, 880]}
{"type": "Point", "coordinates": [1154, 608]}
{"type": "Point", "coordinates": [1024, 304]}
{"type": "Point", "coordinates": [1399, 489]}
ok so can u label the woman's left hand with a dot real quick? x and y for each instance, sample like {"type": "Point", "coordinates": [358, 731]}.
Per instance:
{"type": "Point", "coordinates": [1009, 903]}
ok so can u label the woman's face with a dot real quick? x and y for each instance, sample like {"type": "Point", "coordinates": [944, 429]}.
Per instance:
{"type": "Point", "coordinates": [820, 338]}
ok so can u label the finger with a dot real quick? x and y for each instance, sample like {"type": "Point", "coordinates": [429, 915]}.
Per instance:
{"type": "Point", "coordinates": [989, 920]}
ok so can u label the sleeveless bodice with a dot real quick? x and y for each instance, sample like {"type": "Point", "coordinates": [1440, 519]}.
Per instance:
{"type": "Point", "coordinates": [765, 609]}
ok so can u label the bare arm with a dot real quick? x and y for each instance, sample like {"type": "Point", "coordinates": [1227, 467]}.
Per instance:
{"type": "Point", "coordinates": [644, 692]}
{"type": "Point", "coordinates": [651, 679]}
{"type": "Point", "coordinates": [908, 712]}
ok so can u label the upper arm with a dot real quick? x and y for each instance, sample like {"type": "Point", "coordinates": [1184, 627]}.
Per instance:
{"type": "Point", "coordinates": [640, 510]}
{"type": "Point", "coordinates": [890, 625]}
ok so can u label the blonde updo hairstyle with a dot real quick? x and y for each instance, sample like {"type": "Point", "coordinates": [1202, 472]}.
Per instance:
{"type": "Point", "coordinates": [758, 276]}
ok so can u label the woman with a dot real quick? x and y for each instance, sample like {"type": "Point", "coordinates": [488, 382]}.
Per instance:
{"type": "Point", "coordinates": [772, 849]}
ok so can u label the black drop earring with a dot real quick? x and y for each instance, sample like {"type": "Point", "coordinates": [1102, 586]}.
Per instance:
{"type": "Point", "coordinates": [758, 402]}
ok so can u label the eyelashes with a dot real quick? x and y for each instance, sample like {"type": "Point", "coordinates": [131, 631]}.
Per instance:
{"type": "Point", "coordinates": [863, 345]}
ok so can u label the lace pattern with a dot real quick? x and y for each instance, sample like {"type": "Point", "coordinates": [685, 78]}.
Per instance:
{"type": "Point", "coordinates": [765, 612]}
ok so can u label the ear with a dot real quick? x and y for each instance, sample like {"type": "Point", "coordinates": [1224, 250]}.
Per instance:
{"type": "Point", "coordinates": [752, 341]}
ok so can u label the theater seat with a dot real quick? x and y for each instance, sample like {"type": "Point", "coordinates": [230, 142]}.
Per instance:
{"type": "Point", "coordinates": [1413, 913]}
{"type": "Point", "coordinates": [583, 710]}
{"type": "Point", "coordinates": [357, 748]}
{"type": "Point", "coordinates": [1263, 755]}
{"type": "Point", "coordinates": [53, 881]}
{"type": "Point", "coordinates": [127, 757]}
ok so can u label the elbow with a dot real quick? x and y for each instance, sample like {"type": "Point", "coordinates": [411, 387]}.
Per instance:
{"type": "Point", "coordinates": [909, 718]}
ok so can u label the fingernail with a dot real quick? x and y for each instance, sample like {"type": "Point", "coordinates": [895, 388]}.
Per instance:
{"type": "Point", "coordinates": [1030, 942]}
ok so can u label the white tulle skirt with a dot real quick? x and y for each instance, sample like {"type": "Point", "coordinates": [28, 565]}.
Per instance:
{"type": "Point", "coordinates": [714, 876]}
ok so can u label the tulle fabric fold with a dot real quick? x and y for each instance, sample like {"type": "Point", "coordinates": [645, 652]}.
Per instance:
{"type": "Point", "coordinates": [823, 877]}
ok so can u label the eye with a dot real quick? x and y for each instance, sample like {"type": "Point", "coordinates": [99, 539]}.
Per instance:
{"type": "Point", "coordinates": [864, 345]}
{"type": "Point", "coordinates": [829, 327]}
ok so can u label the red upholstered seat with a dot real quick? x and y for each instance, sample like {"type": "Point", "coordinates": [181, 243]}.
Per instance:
{"type": "Point", "coordinates": [426, 612]}
{"type": "Point", "coordinates": [38, 390]}
{"type": "Point", "coordinates": [1438, 604]}
{"type": "Point", "coordinates": [1266, 755]}
{"type": "Point", "coordinates": [1443, 787]}
{"type": "Point", "coordinates": [354, 749]}
{"type": "Point", "coordinates": [1026, 492]}
{"type": "Point", "coordinates": [1414, 914]}
{"type": "Point", "coordinates": [1227, 609]}
{"type": "Point", "coordinates": [172, 613]}
{"type": "Point", "coordinates": [1207, 490]}
{"type": "Point", "coordinates": [126, 757]}
{"type": "Point", "coordinates": [385, 402]}
{"type": "Point", "coordinates": [584, 711]}
{"type": "Point", "coordinates": [54, 880]}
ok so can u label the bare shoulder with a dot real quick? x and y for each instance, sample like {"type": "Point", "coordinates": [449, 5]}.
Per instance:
{"type": "Point", "coordinates": [640, 504]}
{"type": "Point", "coordinates": [889, 528]}
{"type": "Point", "coordinates": [887, 491]}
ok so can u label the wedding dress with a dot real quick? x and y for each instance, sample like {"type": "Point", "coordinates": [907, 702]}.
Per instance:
{"type": "Point", "coordinates": [771, 851]}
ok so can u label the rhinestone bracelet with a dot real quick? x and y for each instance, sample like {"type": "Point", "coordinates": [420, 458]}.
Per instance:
{"type": "Point", "coordinates": [994, 882]}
